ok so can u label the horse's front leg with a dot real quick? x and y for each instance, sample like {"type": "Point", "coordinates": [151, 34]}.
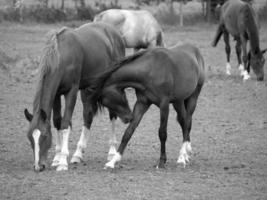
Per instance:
{"type": "Point", "coordinates": [112, 140]}
{"type": "Point", "coordinates": [139, 110]}
{"type": "Point", "coordinates": [246, 76]}
{"type": "Point", "coordinates": [238, 54]}
{"type": "Point", "coordinates": [164, 114]}
{"type": "Point", "coordinates": [88, 115]}
{"type": "Point", "coordinates": [70, 100]}
{"type": "Point", "coordinates": [57, 123]}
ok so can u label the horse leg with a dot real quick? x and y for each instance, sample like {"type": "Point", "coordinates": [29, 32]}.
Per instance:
{"type": "Point", "coordinates": [87, 121]}
{"type": "Point", "coordinates": [238, 54]}
{"type": "Point", "coordinates": [185, 111]}
{"type": "Point", "coordinates": [57, 123]}
{"type": "Point", "coordinates": [140, 108]}
{"type": "Point", "coordinates": [112, 140]}
{"type": "Point", "coordinates": [218, 35]}
{"type": "Point", "coordinates": [228, 52]}
{"type": "Point", "coordinates": [246, 76]}
{"type": "Point", "coordinates": [70, 100]}
{"type": "Point", "coordinates": [164, 114]}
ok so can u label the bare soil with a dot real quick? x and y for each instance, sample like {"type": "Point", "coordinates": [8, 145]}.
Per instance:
{"type": "Point", "coordinates": [229, 133]}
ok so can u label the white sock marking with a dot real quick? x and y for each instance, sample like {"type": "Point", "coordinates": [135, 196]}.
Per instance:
{"type": "Point", "coordinates": [184, 153]}
{"type": "Point", "coordinates": [63, 164]}
{"type": "Point", "coordinates": [112, 142]}
{"type": "Point", "coordinates": [58, 149]}
{"type": "Point", "coordinates": [65, 141]}
{"type": "Point", "coordinates": [241, 68]}
{"type": "Point", "coordinates": [116, 158]}
{"type": "Point", "coordinates": [228, 68]}
{"type": "Point", "coordinates": [246, 76]}
{"type": "Point", "coordinates": [36, 135]}
{"type": "Point", "coordinates": [81, 145]}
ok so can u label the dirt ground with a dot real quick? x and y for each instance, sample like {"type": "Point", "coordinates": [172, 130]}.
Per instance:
{"type": "Point", "coordinates": [229, 133]}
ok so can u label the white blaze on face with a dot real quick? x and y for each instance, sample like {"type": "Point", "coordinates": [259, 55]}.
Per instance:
{"type": "Point", "coordinates": [36, 135]}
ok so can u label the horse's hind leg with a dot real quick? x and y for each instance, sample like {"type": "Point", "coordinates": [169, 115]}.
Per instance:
{"type": "Point", "coordinates": [87, 120]}
{"type": "Point", "coordinates": [57, 123]}
{"type": "Point", "coordinates": [70, 100]}
{"type": "Point", "coordinates": [228, 51]}
{"type": "Point", "coordinates": [218, 35]}
{"type": "Point", "coordinates": [164, 114]}
{"type": "Point", "coordinates": [112, 140]}
{"type": "Point", "coordinates": [185, 122]}
{"type": "Point", "coordinates": [185, 111]}
{"type": "Point", "coordinates": [140, 108]}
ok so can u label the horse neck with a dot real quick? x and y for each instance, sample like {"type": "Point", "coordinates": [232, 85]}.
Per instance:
{"type": "Point", "coordinates": [252, 29]}
{"type": "Point", "coordinates": [46, 93]}
{"type": "Point", "coordinates": [127, 76]}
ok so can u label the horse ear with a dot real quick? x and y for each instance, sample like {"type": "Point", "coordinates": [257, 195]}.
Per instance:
{"type": "Point", "coordinates": [43, 115]}
{"type": "Point", "coordinates": [28, 115]}
{"type": "Point", "coordinates": [264, 51]}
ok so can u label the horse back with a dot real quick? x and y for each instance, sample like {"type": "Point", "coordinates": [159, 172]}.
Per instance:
{"type": "Point", "coordinates": [102, 45]}
{"type": "Point", "coordinates": [233, 16]}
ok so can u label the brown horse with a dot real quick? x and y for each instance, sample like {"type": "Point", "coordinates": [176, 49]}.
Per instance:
{"type": "Point", "coordinates": [160, 76]}
{"type": "Point", "coordinates": [239, 19]}
{"type": "Point", "coordinates": [138, 28]}
{"type": "Point", "coordinates": [71, 58]}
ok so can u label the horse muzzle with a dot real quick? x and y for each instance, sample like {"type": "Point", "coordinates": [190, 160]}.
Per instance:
{"type": "Point", "coordinates": [260, 78]}
{"type": "Point", "coordinates": [127, 119]}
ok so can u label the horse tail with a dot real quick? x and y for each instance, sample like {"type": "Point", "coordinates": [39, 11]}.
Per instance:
{"type": "Point", "coordinates": [201, 64]}
{"type": "Point", "coordinates": [159, 39]}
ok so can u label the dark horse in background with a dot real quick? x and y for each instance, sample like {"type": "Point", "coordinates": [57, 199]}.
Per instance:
{"type": "Point", "coordinates": [239, 19]}
{"type": "Point", "coordinates": [71, 58]}
{"type": "Point", "coordinates": [159, 76]}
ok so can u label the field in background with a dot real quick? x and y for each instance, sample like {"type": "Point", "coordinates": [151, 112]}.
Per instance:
{"type": "Point", "coordinates": [228, 134]}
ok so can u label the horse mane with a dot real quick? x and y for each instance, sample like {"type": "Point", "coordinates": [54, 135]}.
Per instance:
{"type": "Point", "coordinates": [251, 24]}
{"type": "Point", "coordinates": [98, 82]}
{"type": "Point", "coordinates": [49, 61]}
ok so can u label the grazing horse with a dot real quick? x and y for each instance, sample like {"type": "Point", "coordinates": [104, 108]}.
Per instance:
{"type": "Point", "coordinates": [71, 58]}
{"type": "Point", "coordinates": [239, 19]}
{"type": "Point", "coordinates": [160, 76]}
{"type": "Point", "coordinates": [138, 28]}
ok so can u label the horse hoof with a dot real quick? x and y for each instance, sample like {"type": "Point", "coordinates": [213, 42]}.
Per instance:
{"type": "Point", "coordinates": [160, 166]}
{"type": "Point", "coordinates": [110, 156]}
{"type": "Point", "coordinates": [182, 160]}
{"type": "Point", "coordinates": [76, 160]}
{"type": "Point", "coordinates": [62, 168]}
{"type": "Point", "coordinates": [109, 166]}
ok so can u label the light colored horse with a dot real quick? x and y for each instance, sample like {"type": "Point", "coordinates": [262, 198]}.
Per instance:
{"type": "Point", "coordinates": [138, 28]}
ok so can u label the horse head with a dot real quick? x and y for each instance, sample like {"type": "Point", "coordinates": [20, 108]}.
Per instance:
{"type": "Point", "coordinates": [114, 98]}
{"type": "Point", "coordinates": [39, 134]}
{"type": "Point", "coordinates": [257, 60]}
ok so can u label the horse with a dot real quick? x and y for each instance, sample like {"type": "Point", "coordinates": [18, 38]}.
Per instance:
{"type": "Point", "coordinates": [70, 58]}
{"type": "Point", "coordinates": [159, 76]}
{"type": "Point", "coordinates": [239, 19]}
{"type": "Point", "coordinates": [138, 28]}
